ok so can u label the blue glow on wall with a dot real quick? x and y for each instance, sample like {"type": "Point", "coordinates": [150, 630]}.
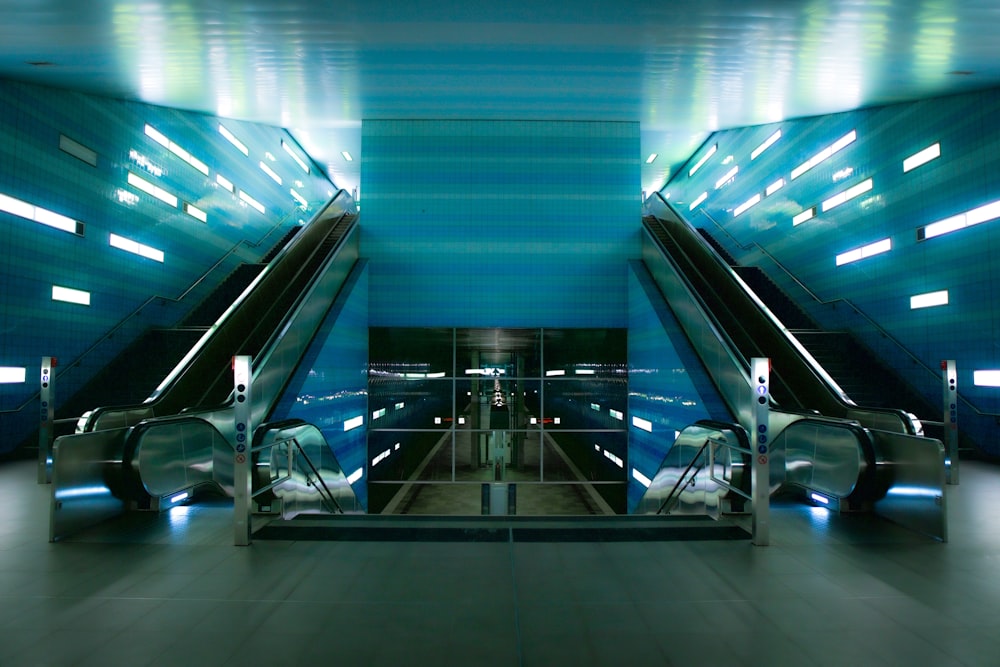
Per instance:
{"type": "Point", "coordinates": [490, 223]}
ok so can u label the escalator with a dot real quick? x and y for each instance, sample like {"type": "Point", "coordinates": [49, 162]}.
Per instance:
{"type": "Point", "coordinates": [180, 438]}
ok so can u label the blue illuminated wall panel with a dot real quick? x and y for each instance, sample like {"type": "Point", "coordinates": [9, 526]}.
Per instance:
{"type": "Point", "coordinates": [668, 386]}
{"type": "Point", "coordinates": [72, 154]}
{"type": "Point", "coordinates": [802, 257]}
{"type": "Point", "coordinates": [330, 386]}
{"type": "Point", "coordinates": [489, 223]}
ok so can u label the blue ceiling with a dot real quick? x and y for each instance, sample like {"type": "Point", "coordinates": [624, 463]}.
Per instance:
{"type": "Point", "coordinates": [681, 68]}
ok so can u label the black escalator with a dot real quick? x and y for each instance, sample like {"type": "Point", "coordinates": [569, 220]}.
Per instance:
{"type": "Point", "coordinates": [795, 383]}
{"type": "Point", "coordinates": [851, 364]}
{"type": "Point", "coordinates": [207, 378]}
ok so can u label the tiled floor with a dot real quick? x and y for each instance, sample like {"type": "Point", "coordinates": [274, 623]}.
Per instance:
{"type": "Point", "coordinates": [830, 590]}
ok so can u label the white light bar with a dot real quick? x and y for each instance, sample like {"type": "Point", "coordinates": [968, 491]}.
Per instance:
{"type": "Point", "coordinates": [652, 157]}
{"type": "Point", "coordinates": [644, 424]}
{"type": "Point", "coordinates": [642, 479]}
{"type": "Point", "coordinates": [774, 187]}
{"type": "Point", "coordinates": [195, 212]}
{"type": "Point", "coordinates": [270, 172]}
{"type": "Point", "coordinates": [225, 182]}
{"type": "Point", "coordinates": [150, 189]}
{"type": "Point", "coordinates": [12, 375]}
{"type": "Point", "coordinates": [355, 476]}
{"type": "Point", "coordinates": [702, 197]}
{"type": "Point", "coordinates": [753, 201]}
{"type": "Point", "coordinates": [585, 371]}
{"type": "Point", "coordinates": [728, 176]}
{"type": "Point", "coordinates": [178, 497]}
{"type": "Point", "coordinates": [698, 165]}
{"type": "Point", "coordinates": [354, 422]}
{"type": "Point", "coordinates": [347, 156]}
{"type": "Point", "coordinates": [617, 460]}
{"type": "Point", "coordinates": [764, 146]}
{"type": "Point", "coordinates": [551, 373]}
{"type": "Point", "coordinates": [159, 138]}
{"type": "Point", "coordinates": [846, 195]}
{"type": "Point", "coordinates": [864, 252]}
{"type": "Point", "coordinates": [233, 140]}
{"type": "Point", "coordinates": [439, 374]}
{"type": "Point", "coordinates": [820, 499]}
{"type": "Point", "coordinates": [983, 213]}
{"type": "Point", "coordinates": [381, 457]}
{"type": "Point", "coordinates": [986, 378]}
{"type": "Point", "coordinates": [299, 198]}
{"type": "Point", "coordinates": [617, 414]}
{"type": "Point", "coordinates": [70, 295]}
{"type": "Point", "coordinates": [400, 405]}
{"type": "Point", "coordinates": [807, 214]}
{"type": "Point", "coordinates": [250, 200]}
{"type": "Point", "coordinates": [378, 413]}
{"type": "Point", "coordinates": [131, 246]}
{"type": "Point", "coordinates": [824, 154]}
{"type": "Point", "coordinates": [595, 407]}
{"type": "Point", "coordinates": [929, 299]}
{"type": "Point", "coordinates": [923, 157]}
{"type": "Point", "coordinates": [40, 215]}
{"type": "Point", "coordinates": [299, 161]}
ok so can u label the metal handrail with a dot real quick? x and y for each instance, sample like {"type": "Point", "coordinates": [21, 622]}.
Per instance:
{"type": "Point", "coordinates": [753, 245]}
{"type": "Point", "coordinates": [671, 498]}
{"type": "Point", "coordinates": [711, 467]}
{"type": "Point", "coordinates": [110, 333]}
{"type": "Point", "coordinates": [329, 500]}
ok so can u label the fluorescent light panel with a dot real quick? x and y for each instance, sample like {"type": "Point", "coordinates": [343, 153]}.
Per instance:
{"type": "Point", "coordinates": [864, 252]}
{"type": "Point", "coordinates": [986, 378]}
{"type": "Point", "coordinates": [299, 161]}
{"type": "Point", "coordinates": [250, 200]}
{"type": "Point", "coordinates": [195, 212]}
{"type": "Point", "coordinates": [753, 201]}
{"type": "Point", "coordinates": [652, 157]}
{"type": "Point", "coordinates": [923, 157]}
{"type": "Point", "coordinates": [929, 299]}
{"type": "Point", "coordinates": [70, 295]}
{"type": "Point", "coordinates": [40, 215]}
{"type": "Point", "coordinates": [764, 146]}
{"type": "Point", "coordinates": [728, 176]}
{"type": "Point", "coordinates": [270, 172]}
{"type": "Point", "coordinates": [846, 195]}
{"type": "Point", "coordinates": [159, 138]}
{"type": "Point", "coordinates": [299, 198]}
{"type": "Point", "coordinates": [354, 422]}
{"type": "Point", "coordinates": [233, 140]}
{"type": "Point", "coordinates": [150, 189]}
{"type": "Point", "coordinates": [644, 424]}
{"type": "Point", "coordinates": [225, 182]}
{"type": "Point", "coordinates": [827, 152]}
{"type": "Point", "coordinates": [805, 215]}
{"type": "Point", "coordinates": [698, 165]}
{"type": "Point", "coordinates": [972, 217]}
{"type": "Point", "coordinates": [347, 156]}
{"type": "Point", "coordinates": [642, 479]}
{"type": "Point", "coordinates": [774, 187]}
{"type": "Point", "coordinates": [134, 247]}
{"type": "Point", "coordinates": [355, 476]}
{"type": "Point", "coordinates": [702, 197]}
{"type": "Point", "coordinates": [12, 374]}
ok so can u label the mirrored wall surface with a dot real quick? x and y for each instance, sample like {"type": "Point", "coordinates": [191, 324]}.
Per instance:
{"type": "Point", "coordinates": [452, 409]}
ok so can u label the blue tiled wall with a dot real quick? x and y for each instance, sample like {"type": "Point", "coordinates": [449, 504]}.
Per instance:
{"type": "Point", "coordinates": [33, 257]}
{"type": "Point", "coordinates": [668, 386]}
{"type": "Point", "coordinates": [964, 177]}
{"type": "Point", "coordinates": [515, 224]}
{"type": "Point", "coordinates": [330, 385]}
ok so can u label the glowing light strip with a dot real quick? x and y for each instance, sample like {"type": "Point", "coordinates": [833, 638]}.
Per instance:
{"type": "Point", "coordinates": [652, 157]}
{"type": "Point", "coordinates": [552, 373]}
{"type": "Point", "coordinates": [820, 499]}
{"type": "Point", "coordinates": [299, 161]}
{"type": "Point", "coordinates": [250, 200]}
{"type": "Point", "coordinates": [986, 378]}
{"type": "Point", "coordinates": [150, 189]}
{"type": "Point", "coordinates": [698, 165]}
{"type": "Point", "coordinates": [764, 146]}
{"type": "Point", "coordinates": [864, 252]}
{"type": "Point", "coordinates": [233, 140]}
{"type": "Point", "coordinates": [923, 157]}
{"type": "Point", "coordinates": [617, 414]}
{"type": "Point", "coordinates": [702, 197]}
{"type": "Point", "coordinates": [975, 216]}
{"type": "Point", "coordinates": [12, 374]}
{"type": "Point", "coordinates": [642, 479]}
{"type": "Point", "coordinates": [195, 212]}
{"type": "Point", "coordinates": [159, 138]}
{"type": "Point", "coordinates": [355, 476]}
{"type": "Point", "coordinates": [929, 299]}
{"type": "Point", "coordinates": [728, 176]}
{"type": "Point", "coordinates": [617, 460]}
{"type": "Point", "coordinates": [270, 172]}
{"type": "Point", "coordinates": [299, 198]}
{"type": "Point", "coordinates": [824, 154]}
{"type": "Point", "coordinates": [846, 195]}
{"type": "Point", "coordinates": [347, 156]}
{"type": "Point", "coordinates": [40, 215]}
{"type": "Point", "coordinates": [644, 424]}
{"type": "Point", "coordinates": [753, 201]}
{"type": "Point", "coordinates": [354, 422]}
{"type": "Point", "coordinates": [774, 187]}
{"type": "Point", "coordinates": [807, 214]}
{"type": "Point", "coordinates": [225, 182]}
{"type": "Point", "coordinates": [131, 246]}
{"type": "Point", "coordinates": [70, 295]}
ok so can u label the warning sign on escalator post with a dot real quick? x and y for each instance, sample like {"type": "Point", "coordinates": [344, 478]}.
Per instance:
{"type": "Point", "coordinates": [242, 493]}
{"type": "Point", "coordinates": [760, 479]}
